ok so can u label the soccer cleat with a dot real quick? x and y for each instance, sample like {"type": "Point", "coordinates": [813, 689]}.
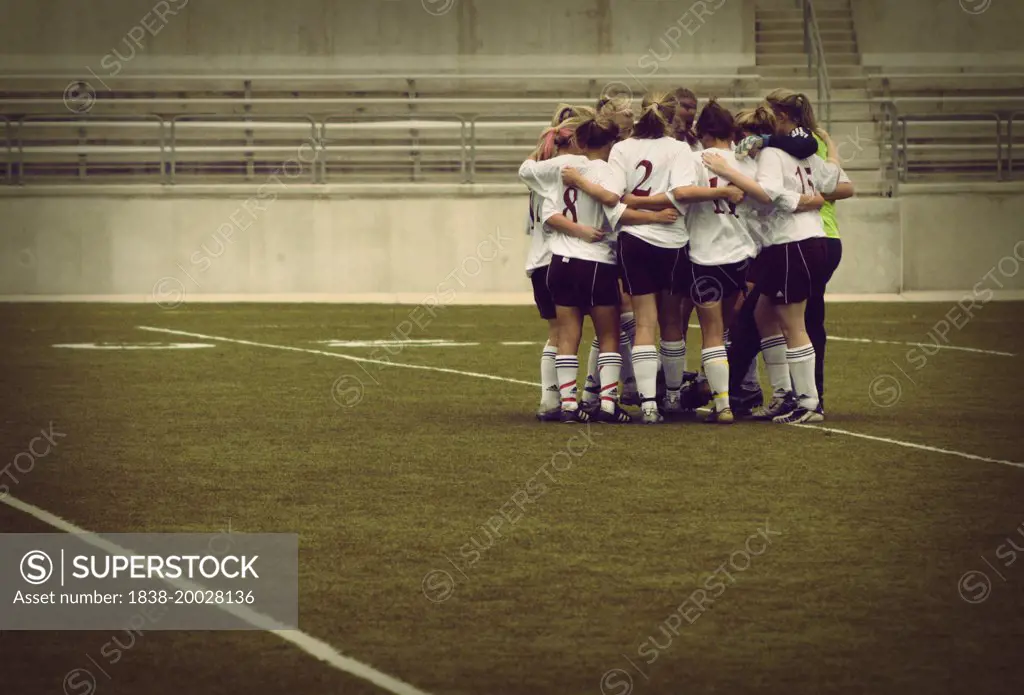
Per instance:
{"type": "Point", "coordinates": [799, 416]}
{"type": "Point", "coordinates": [550, 414]}
{"type": "Point", "coordinates": [651, 416]}
{"type": "Point", "coordinates": [672, 404]}
{"type": "Point", "coordinates": [780, 405]}
{"type": "Point", "coordinates": [619, 417]}
{"type": "Point", "coordinates": [744, 401]}
{"type": "Point", "coordinates": [572, 417]}
{"type": "Point", "coordinates": [590, 407]}
{"type": "Point", "coordinates": [723, 417]}
{"type": "Point", "coordinates": [696, 394]}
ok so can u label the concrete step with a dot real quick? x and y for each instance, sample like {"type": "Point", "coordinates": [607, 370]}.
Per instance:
{"type": "Point", "coordinates": [825, 25]}
{"type": "Point", "coordinates": [788, 59]}
{"type": "Point", "coordinates": [799, 70]}
{"type": "Point", "coordinates": [803, 83]}
{"type": "Point", "coordinates": [871, 187]}
{"type": "Point", "coordinates": [798, 16]}
{"type": "Point", "coordinates": [794, 5]}
{"type": "Point", "coordinates": [797, 34]}
{"type": "Point", "coordinates": [797, 46]}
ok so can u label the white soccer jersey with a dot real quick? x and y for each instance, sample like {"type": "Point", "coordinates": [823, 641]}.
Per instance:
{"type": "Point", "coordinates": [719, 230]}
{"type": "Point", "coordinates": [539, 254]}
{"type": "Point", "coordinates": [544, 181]}
{"type": "Point", "coordinates": [581, 208]}
{"type": "Point", "coordinates": [785, 178]}
{"type": "Point", "coordinates": [650, 167]}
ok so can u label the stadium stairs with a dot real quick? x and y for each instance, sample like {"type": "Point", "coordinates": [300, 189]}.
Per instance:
{"type": "Point", "coordinates": [782, 62]}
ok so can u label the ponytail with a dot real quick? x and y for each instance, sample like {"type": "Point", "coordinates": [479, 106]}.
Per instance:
{"type": "Point", "coordinates": [716, 121]}
{"type": "Point", "coordinates": [759, 121]}
{"type": "Point", "coordinates": [566, 111]}
{"type": "Point", "coordinates": [557, 137]}
{"type": "Point", "coordinates": [655, 119]}
{"type": "Point", "coordinates": [596, 133]}
{"type": "Point", "coordinates": [796, 107]}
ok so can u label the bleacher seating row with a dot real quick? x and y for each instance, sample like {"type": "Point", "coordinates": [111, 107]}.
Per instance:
{"type": "Point", "coordinates": [446, 128]}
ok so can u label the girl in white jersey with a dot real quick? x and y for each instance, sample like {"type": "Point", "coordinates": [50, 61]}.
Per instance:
{"type": "Point", "coordinates": [583, 277]}
{"type": "Point", "coordinates": [790, 267]}
{"type": "Point", "coordinates": [619, 109]}
{"type": "Point", "coordinates": [794, 110]}
{"type": "Point", "coordinates": [556, 139]}
{"type": "Point", "coordinates": [720, 251]}
{"type": "Point", "coordinates": [652, 258]}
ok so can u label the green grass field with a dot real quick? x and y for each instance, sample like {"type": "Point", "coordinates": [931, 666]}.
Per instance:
{"type": "Point", "coordinates": [677, 559]}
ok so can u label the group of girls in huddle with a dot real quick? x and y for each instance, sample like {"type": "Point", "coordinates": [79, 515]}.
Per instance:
{"type": "Point", "coordinates": [637, 219]}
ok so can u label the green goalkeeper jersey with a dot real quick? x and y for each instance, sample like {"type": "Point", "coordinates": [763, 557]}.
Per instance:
{"type": "Point", "coordinates": [828, 213]}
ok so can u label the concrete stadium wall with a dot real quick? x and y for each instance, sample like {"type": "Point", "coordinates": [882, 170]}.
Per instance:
{"type": "Point", "coordinates": [960, 240]}
{"type": "Point", "coordinates": [173, 248]}
{"type": "Point", "coordinates": [939, 34]}
{"type": "Point", "coordinates": [111, 36]}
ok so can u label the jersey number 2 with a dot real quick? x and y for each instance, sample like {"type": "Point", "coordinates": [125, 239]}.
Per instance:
{"type": "Point", "coordinates": [648, 170]}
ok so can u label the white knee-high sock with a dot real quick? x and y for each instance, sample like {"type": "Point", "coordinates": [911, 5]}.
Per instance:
{"type": "Point", "coordinates": [609, 368]}
{"type": "Point", "coordinates": [645, 367]}
{"type": "Point", "coordinates": [568, 367]}
{"type": "Point", "coordinates": [716, 366]}
{"type": "Point", "coordinates": [801, 366]}
{"type": "Point", "coordinates": [773, 349]}
{"type": "Point", "coordinates": [673, 359]}
{"type": "Point", "coordinates": [549, 396]}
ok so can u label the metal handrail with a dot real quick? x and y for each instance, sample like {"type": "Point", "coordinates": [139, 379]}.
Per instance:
{"type": "Point", "coordinates": [376, 77]}
{"type": "Point", "coordinates": [1009, 138]}
{"type": "Point", "coordinates": [816, 62]}
{"type": "Point", "coordinates": [894, 154]}
{"type": "Point", "coordinates": [924, 118]}
{"type": "Point", "coordinates": [81, 118]}
{"type": "Point", "coordinates": [241, 119]}
{"type": "Point", "coordinates": [9, 163]}
{"type": "Point", "coordinates": [397, 124]}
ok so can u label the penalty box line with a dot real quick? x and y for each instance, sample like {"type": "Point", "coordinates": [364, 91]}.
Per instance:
{"type": "Point", "coordinates": [307, 643]}
{"type": "Point", "coordinates": [492, 377]}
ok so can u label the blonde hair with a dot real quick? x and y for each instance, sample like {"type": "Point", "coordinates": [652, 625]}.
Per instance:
{"type": "Point", "coordinates": [659, 110]}
{"type": "Point", "coordinates": [796, 107]}
{"type": "Point", "coordinates": [619, 109]}
{"type": "Point", "coordinates": [566, 111]}
{"type": "Point", "coordinates": [558, 136]}
{"type": "Point", "coordinates": [759, 121]}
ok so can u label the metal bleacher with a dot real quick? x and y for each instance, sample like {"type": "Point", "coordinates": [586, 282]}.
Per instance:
{"type": "Point", "coordinates": [172, 129]}
{"type": "Point", "coordinates": [454, 129]}
{"type": "Point", "coordinates": [957, 126]}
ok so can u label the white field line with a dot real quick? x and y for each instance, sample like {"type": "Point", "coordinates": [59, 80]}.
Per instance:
{"type": "Point", "coordinates": [897, 442]}
{"type": "Point", "coordinates": [339, 355]}
{"type": "Point", "coordinates": [898, 342]}
{"type": "Point", "coordinates": [307, 643]}
{"type": "Point", "coordinates": [921, 447]}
